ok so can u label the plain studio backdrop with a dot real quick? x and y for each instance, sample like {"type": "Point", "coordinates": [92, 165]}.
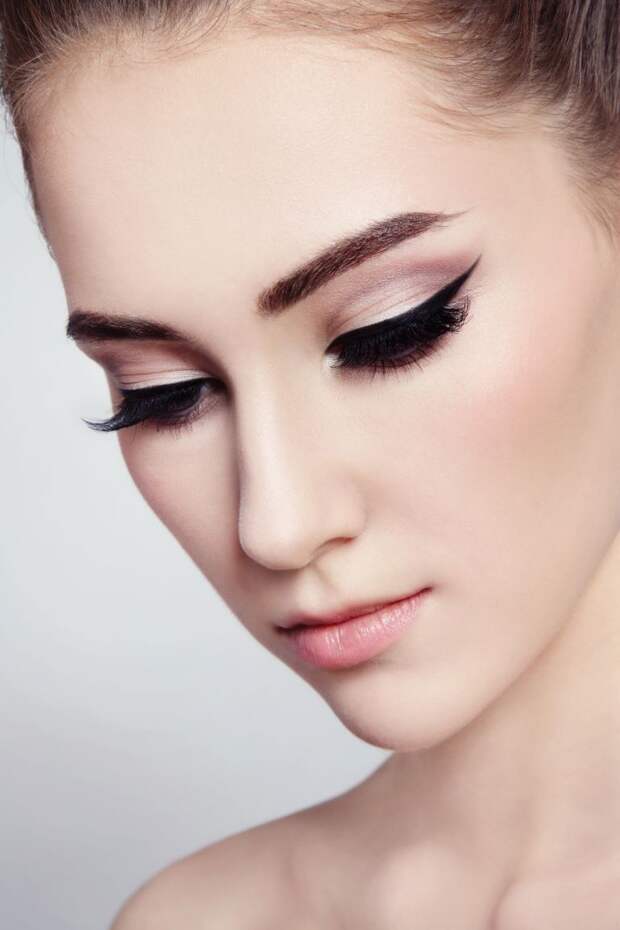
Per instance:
{"type": "Point", "coordinates": [139, 719]}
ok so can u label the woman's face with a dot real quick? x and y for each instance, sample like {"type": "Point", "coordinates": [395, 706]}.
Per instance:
{"type": "Point", "coordinates": [179, 191]}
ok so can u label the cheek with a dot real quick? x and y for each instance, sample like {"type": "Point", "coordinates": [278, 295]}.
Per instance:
{"type": "Point", "coordinates": [193, 493]}
{"type": "Point", "coordinates": [537, 444]}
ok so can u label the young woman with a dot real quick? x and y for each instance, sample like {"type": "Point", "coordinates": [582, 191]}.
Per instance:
{"type": "Point", "coordinates": [353, 275]}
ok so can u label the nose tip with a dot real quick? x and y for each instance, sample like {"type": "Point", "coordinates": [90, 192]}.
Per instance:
{"type": "Point", "coordinates": [293, 525]}
{"type": "Point", "coordinates": [282, 541]}
{"type": "Point", "coordinates": [276, 551]}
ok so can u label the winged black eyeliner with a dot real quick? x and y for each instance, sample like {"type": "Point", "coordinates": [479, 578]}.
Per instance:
{"type": "Point", "coordinates": [409, 316]}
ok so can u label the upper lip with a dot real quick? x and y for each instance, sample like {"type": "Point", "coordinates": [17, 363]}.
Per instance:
{"type": "Point", "coordinates": [347, 613]}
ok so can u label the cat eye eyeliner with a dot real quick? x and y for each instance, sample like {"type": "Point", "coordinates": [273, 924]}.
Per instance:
{"type": "Point", "coordinates": [398, 342]}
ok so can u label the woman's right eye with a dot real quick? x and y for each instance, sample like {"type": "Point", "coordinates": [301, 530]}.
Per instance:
{"type": "Point", "coordinates": [168, 405]}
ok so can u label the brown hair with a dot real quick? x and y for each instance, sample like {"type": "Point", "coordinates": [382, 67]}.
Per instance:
{"type": "Point", "coordinates": [488, 61]}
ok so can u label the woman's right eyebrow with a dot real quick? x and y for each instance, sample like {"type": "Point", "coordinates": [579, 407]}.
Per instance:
{"type": "Point", "coordinates": [335, 259]}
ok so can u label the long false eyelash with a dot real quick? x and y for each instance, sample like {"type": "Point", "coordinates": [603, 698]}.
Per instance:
{"type": "Point", "coordinates": [167, 404]}
{"type": "Point", "coordinates": [412, 335]}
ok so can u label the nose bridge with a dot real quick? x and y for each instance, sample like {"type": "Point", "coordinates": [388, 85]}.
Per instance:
{"type": "Point", "coordinates": [295, 493]}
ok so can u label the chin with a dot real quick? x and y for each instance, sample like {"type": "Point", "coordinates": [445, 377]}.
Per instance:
{"type": "Point", "coordinates": [409, 717]}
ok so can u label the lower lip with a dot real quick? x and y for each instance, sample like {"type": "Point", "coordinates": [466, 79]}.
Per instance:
{"type": "Point", "coordinates": [345, 644]}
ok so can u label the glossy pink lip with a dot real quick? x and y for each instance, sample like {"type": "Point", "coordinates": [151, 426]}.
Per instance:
{"type": "Point", "coordinates": [355, 640]}
{"type": "Point", "coordinates": [356, 610]}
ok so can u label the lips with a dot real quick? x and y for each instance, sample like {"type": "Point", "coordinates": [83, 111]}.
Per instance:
{"type": "Point", "coordinates": [356, 640]}
{"type": "Point", "coordinates": [349, 613]}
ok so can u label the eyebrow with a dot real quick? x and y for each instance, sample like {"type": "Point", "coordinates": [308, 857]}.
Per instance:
{"type": "Point", "coordinates": [346, 253]}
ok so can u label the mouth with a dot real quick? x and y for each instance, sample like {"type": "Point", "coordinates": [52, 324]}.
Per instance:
{"type": "Point", "coordinates": [354, 638]}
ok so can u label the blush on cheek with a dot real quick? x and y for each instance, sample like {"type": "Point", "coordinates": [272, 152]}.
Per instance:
{"type": "Point", "coordinates": [532, 448]}
{"type": "Point", "coordinates": [534, 389]}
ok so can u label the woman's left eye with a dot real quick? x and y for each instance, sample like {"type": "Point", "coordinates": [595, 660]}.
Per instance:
{"type": "Point", "coordinates": [401, 343]}
{"type": "Point", "coordinates": [403, 340]}
{"type": "Point", "coordinates": [398, 342]}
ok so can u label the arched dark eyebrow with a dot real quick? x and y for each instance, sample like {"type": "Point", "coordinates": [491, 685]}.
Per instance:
{"type": "Point", "coordinates": [88, 325]}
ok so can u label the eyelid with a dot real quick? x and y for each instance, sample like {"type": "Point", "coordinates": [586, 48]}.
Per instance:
{"type": "Point", "coordinates": [444, 295]}
{"type": "Point", "coordinates": [161, 392]}
{"type": "Point", "coordinates": [142, 384]}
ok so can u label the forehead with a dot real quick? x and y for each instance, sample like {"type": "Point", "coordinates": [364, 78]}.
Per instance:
{"type": "Point", "coordinates": [247, 149]}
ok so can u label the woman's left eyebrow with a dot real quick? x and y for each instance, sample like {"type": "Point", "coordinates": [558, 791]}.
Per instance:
{"type": "Point", "coordinates": [335, 259]}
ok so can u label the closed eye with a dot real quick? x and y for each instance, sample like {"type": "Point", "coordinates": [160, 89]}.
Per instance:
{"type": "Point", "coordinates": [404, 339]}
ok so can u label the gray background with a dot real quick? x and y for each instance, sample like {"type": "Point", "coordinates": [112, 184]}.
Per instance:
{"type": "Point", "coordinates": [130, 737]}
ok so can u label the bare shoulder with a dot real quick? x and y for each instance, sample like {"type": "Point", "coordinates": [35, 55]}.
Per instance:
{"type": "Point", "coordinates": [185, 893]}
{"type": "Point", "coordinates": [246, 881]}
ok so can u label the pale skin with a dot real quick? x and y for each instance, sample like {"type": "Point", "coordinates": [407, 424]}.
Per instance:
{"type": "Point", "coordinates": [491, 472]}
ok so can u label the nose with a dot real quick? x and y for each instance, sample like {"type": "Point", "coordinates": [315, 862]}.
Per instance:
{"type": "Point", "coordinates": [297, 497]}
